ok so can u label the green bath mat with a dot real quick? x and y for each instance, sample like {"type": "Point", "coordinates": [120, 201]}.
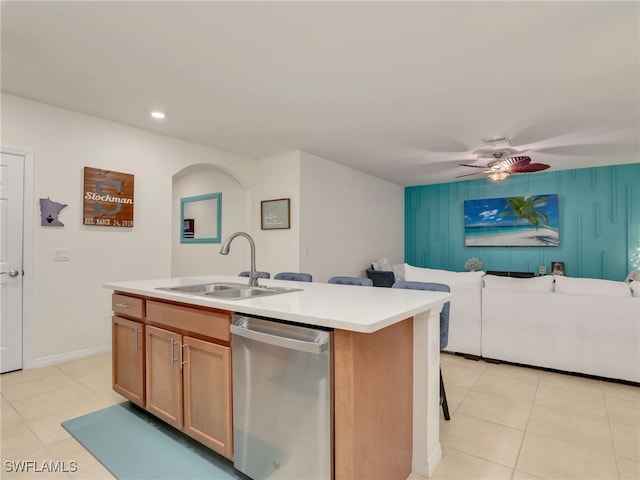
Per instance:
{"type": "Point", "coordinates": [133, 444]}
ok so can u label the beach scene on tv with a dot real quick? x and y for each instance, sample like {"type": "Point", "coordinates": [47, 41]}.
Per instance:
{"type": "Point", "coordinates": [530, 221]}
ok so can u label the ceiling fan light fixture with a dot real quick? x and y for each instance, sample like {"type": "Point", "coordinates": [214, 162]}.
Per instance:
{"type": "Point", "coordinates": [494, 140]}
{"type": "Point", "coordinates": [498, 176]}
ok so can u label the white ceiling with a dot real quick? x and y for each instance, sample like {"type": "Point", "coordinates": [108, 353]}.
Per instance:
{"type": "Point", "coordinates": [401, 90]}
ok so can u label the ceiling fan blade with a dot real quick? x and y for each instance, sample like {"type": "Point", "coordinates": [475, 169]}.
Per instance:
{"type": "Point", "coordinates": [529, 167]}
{"type": "Point", "coordinates": [513, 162]}
{"type": "Point", "coordinates": [587, 149]}
{"type": "Point", "coordinates": [474, 173]}
{"type": "Point", "coordinates": [473, 166]}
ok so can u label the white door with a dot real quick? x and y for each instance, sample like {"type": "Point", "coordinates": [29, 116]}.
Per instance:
{"type": "Point", "coordinates": [11, 238]}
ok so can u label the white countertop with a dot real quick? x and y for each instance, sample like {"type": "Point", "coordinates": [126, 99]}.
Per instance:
{"type": "Point", "coordinates": [345, 307]}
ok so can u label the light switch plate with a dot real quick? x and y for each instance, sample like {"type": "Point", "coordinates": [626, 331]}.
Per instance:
{"type": "Point", "coordinates": [60, 254]}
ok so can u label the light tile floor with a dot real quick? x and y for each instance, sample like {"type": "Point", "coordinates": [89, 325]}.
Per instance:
{"type": "Point", "coordinates": [507, 422]}
{"type": "Point", "coordinates": [522, 423]}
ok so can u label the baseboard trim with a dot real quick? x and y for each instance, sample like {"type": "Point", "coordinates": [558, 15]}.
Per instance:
{"type": "Point", "coordinates": [427, 467]}
{"type": "Point", "coordinates": [65, 357]}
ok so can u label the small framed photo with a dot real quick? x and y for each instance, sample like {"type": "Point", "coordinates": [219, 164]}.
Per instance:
{"type": "Point", "coordinates": [557, 268]}
{"type": "Point", "coordinates": [275, 214]}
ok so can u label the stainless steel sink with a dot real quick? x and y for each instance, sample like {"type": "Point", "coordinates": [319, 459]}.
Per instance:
{"type": "Point", "coordinates": [229, 291]}
{"type": "Point", "coordinates": [204, 288]}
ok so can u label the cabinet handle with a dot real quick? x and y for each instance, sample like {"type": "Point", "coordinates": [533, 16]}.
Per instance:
{"type": "Point", "coordinates": [123, 305]}
{"type": "Point", "coordinates": [138, 332]}
{"type": "Point", "coordinates": [171, 353]}
{"type": "Point", "coordinates": [182, 362]}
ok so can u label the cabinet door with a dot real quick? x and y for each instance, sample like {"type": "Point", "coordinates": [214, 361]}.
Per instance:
{"type": "Point", "coordinates": [207, 394]}
{"type": "Point", "coordinates": [164, 375]}
{"type": "Point", "coordinates": [128, 359]}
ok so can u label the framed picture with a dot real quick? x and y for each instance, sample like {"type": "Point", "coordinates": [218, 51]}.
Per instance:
{"type": "Point", "coordinates": [201, 218]}
{"type": "Point", "coordinates": [108, 198]}
{"type": "Point", "coordinates": [557, 268]}
{"type": "Point", "coordinates": [530, 221]}
{"type": "Point", "coordinates": [275, 214]}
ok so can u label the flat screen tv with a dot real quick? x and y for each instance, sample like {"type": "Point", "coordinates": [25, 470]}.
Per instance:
{"type": "Point", "coordinates": [529, 221]}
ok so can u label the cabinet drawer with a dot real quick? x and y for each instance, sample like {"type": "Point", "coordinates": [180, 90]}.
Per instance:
{"type": "Point", "coordinates": [210, 323]}
{"type": "Point", "coordinates": [127, 306]}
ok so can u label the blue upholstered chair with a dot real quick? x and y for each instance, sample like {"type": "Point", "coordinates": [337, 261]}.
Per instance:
{"type": "Point", "coordinates": [295, 276]}
{"type": "Point", "coordinates": [363, 282]}
{"type": "Point", "coordinates": [444, 328]}
{"type": "Point", "coordinates": [262, 274]}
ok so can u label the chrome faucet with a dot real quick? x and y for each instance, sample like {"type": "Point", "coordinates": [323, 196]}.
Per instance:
{"type": "Point", "coordinates": [224, 250]}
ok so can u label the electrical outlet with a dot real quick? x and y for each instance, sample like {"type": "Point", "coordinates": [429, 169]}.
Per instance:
{"type": "Point", "coordinates": [542, 270]}
{"type": "Point", "coordinates": [60, 254]}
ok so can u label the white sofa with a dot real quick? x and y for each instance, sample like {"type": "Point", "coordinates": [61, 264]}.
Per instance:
{"type": "Point", "coordinates": [580, 325]}
{"type": "Point", "coordinates": [465, 323]}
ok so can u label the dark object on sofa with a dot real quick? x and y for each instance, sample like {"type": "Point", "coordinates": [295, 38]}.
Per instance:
{"type": "Point", "coordinates": [511, 274]}
{"type": "Point", "coordinates": [381, 278]}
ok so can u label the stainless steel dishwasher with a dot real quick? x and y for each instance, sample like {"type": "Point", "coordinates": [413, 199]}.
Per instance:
{"type": "Point", "coordinates": [282, 422]}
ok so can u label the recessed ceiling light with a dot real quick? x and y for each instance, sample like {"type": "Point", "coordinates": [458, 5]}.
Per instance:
{"type": "Point", "coordinates": [158, 114]}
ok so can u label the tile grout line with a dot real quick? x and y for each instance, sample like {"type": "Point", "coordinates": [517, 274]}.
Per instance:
{"type": "Point", "coordinates": [526, 430]}
{"type": "Point", "coordinates": [613, 445]}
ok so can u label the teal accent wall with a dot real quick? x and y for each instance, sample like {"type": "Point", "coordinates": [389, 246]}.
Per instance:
{"type": "Point", "coordinates": [599, 222]}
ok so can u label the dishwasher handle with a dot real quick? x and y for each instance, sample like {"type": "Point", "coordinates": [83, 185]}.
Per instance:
{"type": "Point", "coordinates": [282, 341]}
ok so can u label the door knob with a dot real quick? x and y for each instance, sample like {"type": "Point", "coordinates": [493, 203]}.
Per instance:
{"type": "Point", "coordinates": [11, 273]}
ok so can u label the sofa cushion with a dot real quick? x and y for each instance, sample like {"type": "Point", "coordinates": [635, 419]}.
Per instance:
{"type": "Point", "coordinates": [635, 288]}
{"type": "Point", "coordinates": [533, 284]}
{"type": "Point", "coordinates": [591, 286]}
{"type": "Point", "coordinates": [420, 274]}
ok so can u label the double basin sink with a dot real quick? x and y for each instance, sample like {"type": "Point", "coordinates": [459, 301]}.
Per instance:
{"type": "Point", "coordinates": [229, 291]}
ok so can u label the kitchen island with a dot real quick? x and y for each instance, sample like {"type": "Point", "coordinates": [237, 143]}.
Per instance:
{"type": "Point", "coordinates": [385, 360]}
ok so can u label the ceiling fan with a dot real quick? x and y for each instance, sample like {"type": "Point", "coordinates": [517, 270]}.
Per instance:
{"type": "Point", "coordinates": [503, 163]}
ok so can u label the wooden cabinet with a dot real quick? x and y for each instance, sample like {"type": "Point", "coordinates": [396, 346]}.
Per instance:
{"type": "Point", "coordinates": [175, 361]}
{"type": "Point", "coordinates": [127, 336]}
{"type": "Point", "coordinates": [164, 375]}
{"type": "Point", "coordinates": [207, 394]}
{"type": "Point", "coordinates": [188, 378]}
{"type": "Point", "coordinates": [128, 359]}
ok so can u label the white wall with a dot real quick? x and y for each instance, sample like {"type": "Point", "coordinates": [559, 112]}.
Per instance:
{"type": "Point", "coordinates": [341, 219]}
{"type": "Point", "coordinates": [204, 258]}
{"type": "Point", "coordinates": [71, 310]}
{"type": "Point", "coordinates": [348, 219]}
{"type": "Point", "coordinates": [277, 177]}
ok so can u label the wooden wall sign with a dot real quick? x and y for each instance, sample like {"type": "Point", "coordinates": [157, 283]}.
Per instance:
{"type": "Point", "coordinates": [108, 198]}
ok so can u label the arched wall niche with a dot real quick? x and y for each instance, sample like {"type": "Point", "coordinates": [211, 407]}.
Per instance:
{"type": "Point", "coordinates": [209, 167]}
{"type": "Point", "coordinates": [193, 259]}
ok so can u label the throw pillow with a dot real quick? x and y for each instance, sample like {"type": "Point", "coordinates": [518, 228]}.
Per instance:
{"type": "Point", "coordinates": [635, 288]}
{"type": "Point", "coordinates": [591, 286]}
{"type": "Point", "coordinates": [382, 264]}
{"type": "Point", "coordinates": [398, 272]}
{"type": "Point", "coordinates": [534, 284]}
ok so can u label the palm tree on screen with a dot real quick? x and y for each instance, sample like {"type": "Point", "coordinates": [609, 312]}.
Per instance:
{"type": "Point", "coordinates": [527, 209]}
